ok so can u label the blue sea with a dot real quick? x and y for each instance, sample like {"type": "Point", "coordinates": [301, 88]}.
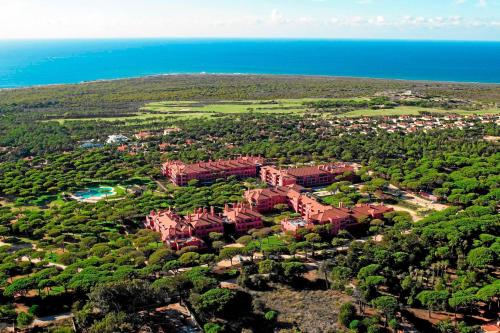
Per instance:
{"type": "Point", "coordinates": [28, 63]}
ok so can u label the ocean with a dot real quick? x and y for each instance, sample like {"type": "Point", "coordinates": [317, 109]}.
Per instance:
{"type": "Point", "coordinates": [42, 62]}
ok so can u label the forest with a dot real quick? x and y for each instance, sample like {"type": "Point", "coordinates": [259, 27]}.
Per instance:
{"type": "Point", "coordinates": [90, 260]}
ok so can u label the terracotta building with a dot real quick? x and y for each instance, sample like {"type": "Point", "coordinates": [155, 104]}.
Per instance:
{"type": "Point", "coordinates": [174, 231]}
{"type": "Point", "coordinates": [311, 211]}
{"type": "Point", "coordinates": [205, 222]}
{"type": "Point", "coordinates": [181, 173]}
{"type": "Point", "coordinates": [264, 199]}
{"type": "Point", "coordinates": [190, 230]}
{"type": "Point", "coordinates": [309, 176]}
{"type": "Point", "coordinates": [178, 232]}
{"type": "Point", "coordinates": [243, 216]}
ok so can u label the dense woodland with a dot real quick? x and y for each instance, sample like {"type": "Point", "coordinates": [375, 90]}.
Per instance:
{"type": "Point", "coordinates": [93, 259]}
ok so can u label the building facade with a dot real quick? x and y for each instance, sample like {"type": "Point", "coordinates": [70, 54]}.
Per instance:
{"type": "Point", "coordinates": [177, 231]}
{"type": "Point", "coordinates": [180, 231]}
{"type": "Point", "coordinates": [243, 216]}
{"type": "Point", "coordinates": [309, 176]}
{"type": "Point", "coordinates": [181, 173]}
{"type": "Point", "coordinates": [312, 212]}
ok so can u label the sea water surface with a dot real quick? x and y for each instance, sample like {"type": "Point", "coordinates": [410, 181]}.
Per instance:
{"type": "Point", "coordinates": [40, 62]}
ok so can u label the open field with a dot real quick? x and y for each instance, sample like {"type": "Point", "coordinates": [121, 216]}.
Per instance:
{"type": "Point", "coordinates": [271, 106]}
{"type": "Point", "coordinates": [179, 110]}
{"type": "Point", "coordinates": [412, 110]}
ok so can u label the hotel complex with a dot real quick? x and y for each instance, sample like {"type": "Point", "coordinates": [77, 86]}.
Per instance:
{"type": "Point", "coordinates": [311, 211]}
{"type": "Point", "coordinates": [287, 187]}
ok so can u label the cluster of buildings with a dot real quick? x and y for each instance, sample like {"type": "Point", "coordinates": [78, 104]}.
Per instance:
{"type": "Point", "coordinates": [181, 173]}
{"type": "Point", "coordinates": [287, 187]}
{"type": "Point", "coordinates": [191, 230]}
{"type": "Point", "coordinates": [312, 212]}
{"type": "Point", "coordinates": [410, 124]}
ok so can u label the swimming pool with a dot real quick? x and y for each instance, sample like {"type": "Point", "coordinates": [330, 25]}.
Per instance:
{"type": "Point", "coordinates": [94, 193]}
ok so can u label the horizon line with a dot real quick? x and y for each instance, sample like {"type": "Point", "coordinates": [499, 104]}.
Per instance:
{"type": "Point", "coordinates": [246, 38]}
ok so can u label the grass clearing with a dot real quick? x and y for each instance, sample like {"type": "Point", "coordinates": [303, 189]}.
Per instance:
{"type": "Point", "coordinates": [412, 111]}
{"type": "Point", "coordinates": [180, 110]}
{"type": "Point", "coordinates": [274, 106]}
{"type": "Point", "coordinates": [268, 244]}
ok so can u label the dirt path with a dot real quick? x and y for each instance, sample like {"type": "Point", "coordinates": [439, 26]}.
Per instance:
{"type": "Point", "coordinates": [164, 189]}
{"type": "Point", "coordinates": [45, 321]}
{"type": "Point", "coordinates": [413, 213]}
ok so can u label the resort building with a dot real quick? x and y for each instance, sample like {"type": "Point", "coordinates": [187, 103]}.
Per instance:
{"type": "Point", "coordinates": [204, 222]}
{"type": "Point", "coordinates": [309, 176]}
{"type": "Point", "coordinates": [311, 211]}
{"type": "Point", "coordinates": [243, 216]}
{"type": "Point", "coordinates": [293, 225]}
{"type": "Point", "coordinates": [180, 231]}
{"type": "Point", "coordinates": [181, 173]}
{"type": "Point", "coordinates": [175, 231]}
{"type": "Point", "coordinates": [264, 199]}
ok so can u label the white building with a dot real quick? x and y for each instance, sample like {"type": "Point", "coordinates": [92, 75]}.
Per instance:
{"type": "Point", "coordinates": [116, 139]}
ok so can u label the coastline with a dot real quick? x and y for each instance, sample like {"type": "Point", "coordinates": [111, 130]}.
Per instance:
{"type": "Point", "coordinates": [206, 74]}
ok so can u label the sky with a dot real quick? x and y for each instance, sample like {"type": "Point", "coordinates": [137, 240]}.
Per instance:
{"type": "Point", "coordinates": [357, 19]}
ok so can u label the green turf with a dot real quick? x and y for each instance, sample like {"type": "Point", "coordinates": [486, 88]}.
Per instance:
{"type": "Point", "coordinates": [411, 110]}
{"type": "Point", "coordinates": [179, 110]}
{"type": "Point", "coordinates": [278, 106]}
{"type": "Point", "coordinates": [268, 244]}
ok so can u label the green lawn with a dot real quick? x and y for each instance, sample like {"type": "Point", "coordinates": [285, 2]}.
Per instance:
{"type": "Point", "coordinates": [411, 110]}
{"type": "Point", "coordinates": [178, 110]}
{"type": "Point", "coordinates": [277, 106]}
{"type": "Point", "coordinates": [268, 243]}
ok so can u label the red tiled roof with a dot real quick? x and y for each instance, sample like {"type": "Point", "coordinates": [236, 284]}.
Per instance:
{"type": "Point", "coordinates": [331, 214]}
{"type": "Point", "coordinates": [215, 166]}
{"type": "Point", "coordinates": [306, 171]}
{"type": "Point", "coordinates": [241, 212]}
{"type": "Point", "coordinates": [203, 219]}
{"type": "Point", "coordinates": [265, 193]}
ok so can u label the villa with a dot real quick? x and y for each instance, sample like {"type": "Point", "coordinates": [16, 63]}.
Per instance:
{"type": "Point", "coordinates": [181, 173]}
{"type": "Point", "coordinates": [309, 176]}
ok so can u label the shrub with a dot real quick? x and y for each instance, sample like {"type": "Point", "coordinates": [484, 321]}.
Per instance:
{"type": "Point", "coordinates": [271, 315]}
{"type": "Point", "coordinates": [355, 325]}
{"type": "Point", "coordinates": [33, 310]}
{"type": "Point", "coordinates": [212, 328]}
{"type": "Point", "coordinates": [347, 314]}
{"type": "Point", "coordinates": [24, 319]}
